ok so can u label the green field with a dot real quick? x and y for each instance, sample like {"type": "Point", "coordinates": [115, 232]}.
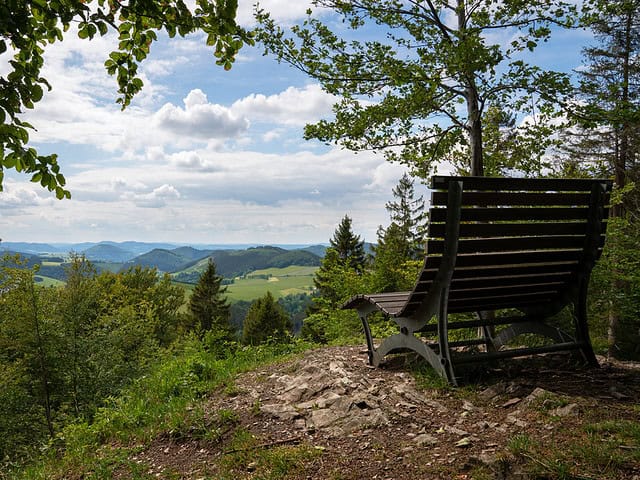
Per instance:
{"type": "Point", "coordinates": [281, 282]}
{"type": "Point", "coordinates": [48, 281]}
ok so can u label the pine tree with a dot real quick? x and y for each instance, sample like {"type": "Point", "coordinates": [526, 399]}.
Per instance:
{"type": "Point", "coordinates": [608, 116]}
{"type": "Point", "coordinates": [605, 142]}
{"type": "Point", "coordinates": [208, 304]}
{"type": "Point", "coordinates": [348, 246]}
{"type": "Point", "coordinates": [409, 215]}
{"type": "Point", "coordinates": [393, 269]}
{"type": "Point", "coordinates": [346, 254]}
{"type": "Point", "coordinates": [265, 319]}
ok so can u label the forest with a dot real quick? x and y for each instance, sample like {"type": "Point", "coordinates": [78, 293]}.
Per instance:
{"type": "Point", "coordinates": [72, 356]}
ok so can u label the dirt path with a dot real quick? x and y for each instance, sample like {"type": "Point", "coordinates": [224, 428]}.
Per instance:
{"type": "Point", "coordinates": [334, 417]}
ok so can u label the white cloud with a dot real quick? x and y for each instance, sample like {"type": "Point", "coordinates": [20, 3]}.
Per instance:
{"type": "Point", "coordinates": [205, 196]}
{"type": "Point", "coordinates": [14, 198]}
{"type": "Point", "coordinates": [293, 106]}
{"type": "Point", "coordinates": [157, 198]}
{"type": "Point", "coordinates": [200, 119]}
{"type": "Point", "coordinates": [284, 11]}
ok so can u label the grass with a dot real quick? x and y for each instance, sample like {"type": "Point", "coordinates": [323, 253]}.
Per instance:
{"type": "Point", "coordinates": [48, 281]}
{"type": "Point", "coordinates": [599, 450]}
{"type": "Point", "coordinates": [290, 271]}
{"type": "Point", "coordinates": [279, 286]}
{"type": "Point", "coordinates": [263, 461]}
{"type": "Point", "coordinates": [281, 282]}
{"type": "Point", "coordinates": [167, 402]}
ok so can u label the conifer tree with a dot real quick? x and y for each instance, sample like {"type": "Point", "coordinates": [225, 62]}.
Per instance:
{"type": "Point", "coordinates": [409, 215]}
{"type": "Point", "coordinates": [346, 254]}
{"type": "Point", "coordinates": [348, 246]}
{"type": "Point", "coordinates": [208, 304]}
{"type": "Point", "coordinates": [265, 319]}
{"type": "Point", "coordinates": [605, 142]}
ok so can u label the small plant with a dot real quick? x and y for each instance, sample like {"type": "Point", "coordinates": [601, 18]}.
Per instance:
{"type": "Point", "coordinates": [227, 417]}
{"type": "Point", "coordinates": [520, 444]}
{"type": "Point", "coordinates": [549, 401]}
{"type": "Point", "coordinates": [428, 379]}
{"type": "Point", "coordinates": [256, 407]}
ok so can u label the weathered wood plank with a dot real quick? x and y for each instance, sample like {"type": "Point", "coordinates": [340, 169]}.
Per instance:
{"type": "Point", "coordinates": [511, 244]}
{"type": "Point", "coordinates": [485, 199]}
{"type": "Point", "coordinates": [492, 230]}
{"type": "Point", "coordinates": [489, 214]}
{"type": "Point", "coordinates": [518, 184]}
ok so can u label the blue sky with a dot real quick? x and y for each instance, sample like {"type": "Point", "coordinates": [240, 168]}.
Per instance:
{"type": "Point", "coordinates": [202, 155]}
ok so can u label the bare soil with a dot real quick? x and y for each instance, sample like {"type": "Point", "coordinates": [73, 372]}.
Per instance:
{"type": "Point", "coordinates": [529, 419]}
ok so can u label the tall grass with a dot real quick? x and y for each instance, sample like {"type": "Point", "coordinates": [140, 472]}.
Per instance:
{"type": "Point", "coordinates": [153, 404]}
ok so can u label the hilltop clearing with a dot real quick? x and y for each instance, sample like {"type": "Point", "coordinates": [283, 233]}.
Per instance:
{"type": "Point", "coordinates": [328, 415]}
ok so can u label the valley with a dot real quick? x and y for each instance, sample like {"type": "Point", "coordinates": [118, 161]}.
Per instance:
{"type": "Point", "coordinates": [248, 272]}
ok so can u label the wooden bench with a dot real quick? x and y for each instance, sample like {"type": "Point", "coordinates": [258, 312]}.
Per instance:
{"type": "Point", "coordinates": [513, 251]}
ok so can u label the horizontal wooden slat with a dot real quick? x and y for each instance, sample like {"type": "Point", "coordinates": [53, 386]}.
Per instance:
{"type": "Point", "coordinates": [501, 281]}
{"type": "Point", "coordinates": [474, 305]}
{"type": "Point", "coordinates": [433, 327]}
{"type": "Point", "coordinates": [510, 258]}
{"type": "Point", "coordinates": [519, 184]}
{"type": "Point", "coordinates": [484, 199]}
{"type": "Point", "coordinates": [511, 244]}
{"type": "Point", "coordinates": [504, 291]}
{"type": "Point", "coordinates": [515, 352]}
{"type": "Point", "coordinates": [488, 230]}
{"type": "Point", "coordinates": [484, 272]}
{"type": "Point", "coordinates": [507, 214]}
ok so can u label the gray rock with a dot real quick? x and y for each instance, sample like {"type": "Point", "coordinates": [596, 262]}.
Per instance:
{"type": "Point", "coordinates": [568, 410]}
{"type": "Point", "coordinates": [424, 439]}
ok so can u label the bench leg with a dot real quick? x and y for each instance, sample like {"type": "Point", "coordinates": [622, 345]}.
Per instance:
{"type": "Point", "coordinates": [443, 338]}
{"type": "Point", "coordinates": [367, 334]}
{"type": "Point", "coordinates": [402, 341]}
{"type": "Point", "coordinates": [582, 327]}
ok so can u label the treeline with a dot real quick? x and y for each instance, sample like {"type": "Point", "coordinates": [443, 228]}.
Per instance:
{"type": "Point", "coordinates": [65, 351]}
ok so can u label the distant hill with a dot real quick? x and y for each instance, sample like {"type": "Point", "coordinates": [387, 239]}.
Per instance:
{"type": "Point", "coordinates": [185, 263]}
{"type": "Point", "coordinates": [164, 260]}
{"type": "Point", "coordinates": [108, 253]}
{"type": "Point", "coordinates": [234, 263]}
{"type": "Point", "coordinates": [318, 250]}
{"type": "Point", "coordinates": [31, 248]}
{"type": "Point", "coordinates": [192, 253]}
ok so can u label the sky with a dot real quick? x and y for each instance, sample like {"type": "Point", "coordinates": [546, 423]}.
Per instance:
{"type": "Point", "coordinates": [202, 156]}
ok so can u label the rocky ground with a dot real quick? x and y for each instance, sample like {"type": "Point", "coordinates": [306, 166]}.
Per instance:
{"type": "Point", "coordinates": [328, 415]}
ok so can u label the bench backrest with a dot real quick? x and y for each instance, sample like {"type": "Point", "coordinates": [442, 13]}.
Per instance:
{"type": "Point", "coordinates": [505, 242]}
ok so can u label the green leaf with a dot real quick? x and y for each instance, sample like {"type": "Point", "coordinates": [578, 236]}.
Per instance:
{"type": "Point", "coordinates": [36, 93]}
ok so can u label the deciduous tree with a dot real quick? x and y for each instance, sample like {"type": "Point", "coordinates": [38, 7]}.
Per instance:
{"type": "Point", "coordinates": [404, 94]}
{"type": "Point", "coordinates": [28, 27]}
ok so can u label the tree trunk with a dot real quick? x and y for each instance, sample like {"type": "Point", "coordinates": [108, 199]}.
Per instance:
{"type": "Point", "coordinates": [474, 129]}
{"type": "Point", "coordinates": [44, 371]}
{"type": "Point", "coordinates": [474, 121]}
{"type": "Point", "coordinates": [620, 167]}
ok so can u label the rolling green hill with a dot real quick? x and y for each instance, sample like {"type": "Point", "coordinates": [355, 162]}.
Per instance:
{"type": "Point", "coordinates": [235, 263]}
{"type": "Point", "coordinates": [279, 281]}
{"type": "Point", "coordinates": [165, 260]}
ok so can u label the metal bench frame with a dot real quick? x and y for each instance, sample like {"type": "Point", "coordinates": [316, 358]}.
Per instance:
{"type": "Point", "coordinates": [495, 244]}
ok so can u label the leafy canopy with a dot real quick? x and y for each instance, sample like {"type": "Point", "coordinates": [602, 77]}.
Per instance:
{"type": "Point", "coordinates": [27, 27]}
{"type": "Point", "coordinates": [423, 89]}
